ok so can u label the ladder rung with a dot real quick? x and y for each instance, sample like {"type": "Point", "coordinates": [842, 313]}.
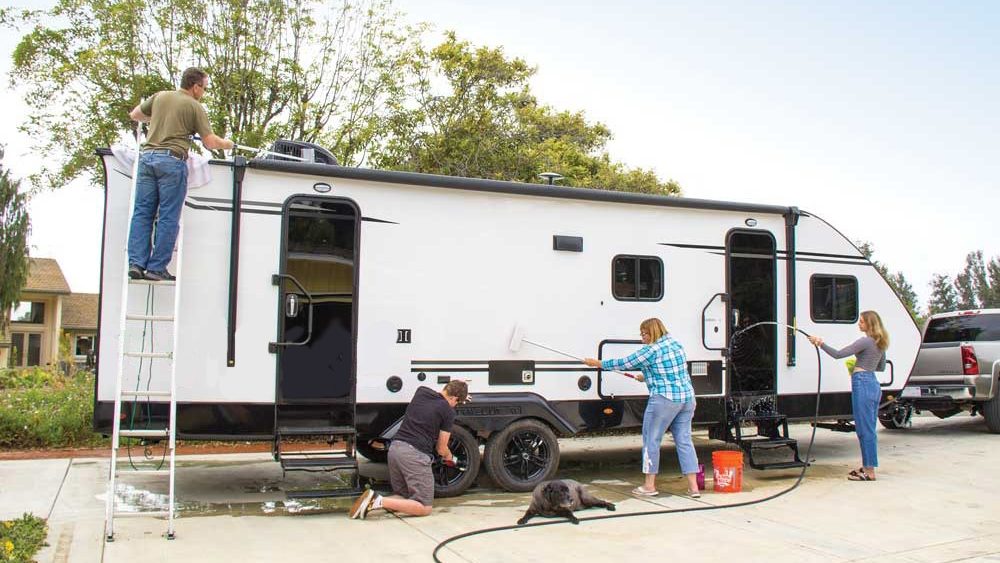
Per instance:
{"type": "Point", "coordinates": [133, 394]}
{"type": "Point", "coordinates": [163, 355]}
{"type": "Point", "coordinates": [154, 433]}
{"type": "Point", "coordinates": [150, 513]}
{"type": "Point", "coordinates": [130, 472]}
{"type": "Point", "coordinates": [149, 282]}
{"type": "Point", "coordinates": [154, 318]}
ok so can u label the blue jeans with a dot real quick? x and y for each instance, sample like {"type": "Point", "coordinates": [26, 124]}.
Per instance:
{"type": "Point", "coordinates": [866, 394]}
{"type": "Point", "coordinates": [160, 188]}
{"type": "Point", "coordinates": [662, 413]}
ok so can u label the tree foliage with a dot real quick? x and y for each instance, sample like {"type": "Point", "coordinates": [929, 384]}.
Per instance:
{"type": "Point", "coordinates": [303, 69]}
{"type": "Point", "coordinates": [472, 113]}
{"type": "Point", "coordinates": [943, 296]}
{"type": "Point", "coordinates": [14, 228]}
{"type": "Point", "coordinates": [349, 76]}
{"type": "Point", "coordinates": [898, 282]}
{"type": "Point", "coordinates": [977, 286]}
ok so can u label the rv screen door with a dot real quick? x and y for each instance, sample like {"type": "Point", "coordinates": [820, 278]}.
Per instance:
{"type": "Point", "coordinates": [320, 253]}
{"type": "Point", "coordinates": [753, 355]}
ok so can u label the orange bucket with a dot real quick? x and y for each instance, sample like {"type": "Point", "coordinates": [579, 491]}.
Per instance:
{"type": "Point", "coordinates": [727, 466]}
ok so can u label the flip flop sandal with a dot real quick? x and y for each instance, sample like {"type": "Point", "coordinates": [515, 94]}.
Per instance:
{"type": "Point", "coordinates": [694, 494]}
{"type": "Point", "coordinates": [639, 491]}
{"type": "Point", "coordinates": [859, 476]}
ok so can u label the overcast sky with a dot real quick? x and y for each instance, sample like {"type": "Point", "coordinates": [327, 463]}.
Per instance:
{"type": "Point", "coordinates": [880, 117]}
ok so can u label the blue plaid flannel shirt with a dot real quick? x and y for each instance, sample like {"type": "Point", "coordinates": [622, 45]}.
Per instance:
{"type": "Point", "coordinates": [663, 364]}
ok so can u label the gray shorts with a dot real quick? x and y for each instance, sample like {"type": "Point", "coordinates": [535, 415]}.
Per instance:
{"type": "Point", "coordinates": [410, 473]}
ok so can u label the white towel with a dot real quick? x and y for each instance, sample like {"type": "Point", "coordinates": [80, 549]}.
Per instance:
{"type": "Point", "coordinates": [199, 172]}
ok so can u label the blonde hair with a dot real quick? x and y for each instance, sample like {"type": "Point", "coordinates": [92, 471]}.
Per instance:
{"type": "Point", "coordinates": [654, 327]}
{"type": "Point", "coordinates": [875, 329]}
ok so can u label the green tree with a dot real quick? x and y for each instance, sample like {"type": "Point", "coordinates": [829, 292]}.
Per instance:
{"type": "Point", "coordinates": [14, 228]}
{"type": "Point", "coordinates": [897, 281]}
{"type": "Point", "coordinates": [472, 114]}
{"type": "Point", "coordinates": [304, 69]}
{"type": "Point", "coordinates": [978, 285]}
{"type": "Point", "coordinates": [943, 295]}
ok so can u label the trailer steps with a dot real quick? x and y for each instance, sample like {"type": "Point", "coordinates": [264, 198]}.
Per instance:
{"type": "Point", "coordinates": [295, 452]}
{"type": "Point", "coordinates": [771, 436]}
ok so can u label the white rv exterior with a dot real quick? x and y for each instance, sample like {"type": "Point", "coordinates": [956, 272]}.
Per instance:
{"type": "Point", "coordinates": [439, 272]}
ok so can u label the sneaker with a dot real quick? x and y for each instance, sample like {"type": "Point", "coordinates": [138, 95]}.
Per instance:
{"type": "Point", "coordinates": [362, 505]}
{"type": "Point", "coordinates": [135, 272]}
{"type": "Point", "coordinates": [159, 276]}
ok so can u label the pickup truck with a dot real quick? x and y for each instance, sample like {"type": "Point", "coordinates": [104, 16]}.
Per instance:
{"type": "Point", "coordinates": [956, 370]}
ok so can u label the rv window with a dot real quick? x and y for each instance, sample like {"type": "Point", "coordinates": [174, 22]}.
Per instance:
{"type": "Point", "coordinates": [637, 278]}
{"type": "Point", "coordinates": [833, 299]}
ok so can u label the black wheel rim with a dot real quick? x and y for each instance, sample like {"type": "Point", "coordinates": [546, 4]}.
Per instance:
{"type": "Point", "coordinates": [444, 475]}
{"type": "Point", "coordinates": [527, 455]}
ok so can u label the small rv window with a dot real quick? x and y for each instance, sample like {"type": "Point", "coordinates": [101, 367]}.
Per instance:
{"type": "Point", "coordinates": [637, 278]}
{"type": "Point", "coordinates": [833, 299]}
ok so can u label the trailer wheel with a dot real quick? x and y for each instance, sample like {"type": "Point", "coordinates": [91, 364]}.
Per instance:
{"type": "Point", "coordinates": [991, 412]}
{"type": "Point", "coordinates": [371, 453]}
{"type": "Point", "coordinates": [896, 416]}
{"type": "Point", "coordinates": [453, 481]}
{"type": "Point", "coordinates": [522, 455]}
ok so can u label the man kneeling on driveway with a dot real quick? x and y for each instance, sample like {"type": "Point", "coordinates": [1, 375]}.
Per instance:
{"type": "Point", "coordinates": [427, 423]}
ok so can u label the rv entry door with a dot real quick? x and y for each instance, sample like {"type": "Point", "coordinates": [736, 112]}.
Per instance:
{"type": "Point", "coordinates": [750, 260]}
{"type": "Point", "coordinates": [317, 297]}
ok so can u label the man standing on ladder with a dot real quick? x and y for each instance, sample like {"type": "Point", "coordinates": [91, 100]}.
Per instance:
{"type": "Point", "coordinates": [161, 182]}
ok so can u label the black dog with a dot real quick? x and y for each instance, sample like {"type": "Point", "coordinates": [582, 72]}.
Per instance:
{"type": "Point", "coordinates": [560, 498]}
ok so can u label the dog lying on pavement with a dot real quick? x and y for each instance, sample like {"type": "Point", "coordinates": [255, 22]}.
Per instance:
{"type": "Point", "coordinates": [560, 498]}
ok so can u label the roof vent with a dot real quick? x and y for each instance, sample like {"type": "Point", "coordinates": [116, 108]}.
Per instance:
{"type": "Point", "coordinates": [302, 149]}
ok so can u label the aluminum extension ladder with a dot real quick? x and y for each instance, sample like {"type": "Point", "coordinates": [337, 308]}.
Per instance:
{"type": "Point", "coordinates": [130, 321]}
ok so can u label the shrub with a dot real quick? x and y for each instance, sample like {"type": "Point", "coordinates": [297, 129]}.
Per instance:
{"type": "Point", "coordinates": [40, 409]}
{"type": "Point", "coordinates": [21, 539]}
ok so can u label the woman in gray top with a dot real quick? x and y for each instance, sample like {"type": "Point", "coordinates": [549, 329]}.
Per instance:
{"type": "Point", "coordinates": [866, 394]}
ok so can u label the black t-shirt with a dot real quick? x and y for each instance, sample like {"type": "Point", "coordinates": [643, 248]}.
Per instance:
{"type": "Point", "coordinates": [426, 416]}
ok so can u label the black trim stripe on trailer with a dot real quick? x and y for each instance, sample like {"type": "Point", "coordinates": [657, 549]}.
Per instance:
{"type": "Point", "coordinates": [263, 211]}
{"type": "Point", "coordinates": [798, 254]}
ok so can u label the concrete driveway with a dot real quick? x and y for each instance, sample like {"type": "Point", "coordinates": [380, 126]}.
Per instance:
{"type": "Point", "coordinates": [937, 499]}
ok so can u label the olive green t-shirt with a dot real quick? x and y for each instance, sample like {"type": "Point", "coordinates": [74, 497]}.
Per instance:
{"type": "Point", "coordinates": [173, 117]}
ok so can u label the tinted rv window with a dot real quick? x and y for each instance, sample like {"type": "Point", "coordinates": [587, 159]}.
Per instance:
{"type": "Point", "coordinates": [637, 278]}
{"type": "Point", "coordinates": [833, 299]}
{"type": "Point", "coordinates": [964, 328]}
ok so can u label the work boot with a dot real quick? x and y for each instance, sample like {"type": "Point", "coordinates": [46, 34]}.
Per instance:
{"type": "Point", "coordinates": [160, 276]}
{"type": "Point", "coordinates": [135, 272]}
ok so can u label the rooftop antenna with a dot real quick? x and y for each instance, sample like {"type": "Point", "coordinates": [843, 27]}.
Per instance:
{"type": "Point", "coordinates": [551, 176]}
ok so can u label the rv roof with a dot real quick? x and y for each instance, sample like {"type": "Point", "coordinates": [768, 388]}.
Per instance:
{"type": "Point", "coordinates": [498, 186]}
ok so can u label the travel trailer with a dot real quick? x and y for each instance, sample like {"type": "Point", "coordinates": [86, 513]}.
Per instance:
{"type": "Point", "coordinates": [316, 298]}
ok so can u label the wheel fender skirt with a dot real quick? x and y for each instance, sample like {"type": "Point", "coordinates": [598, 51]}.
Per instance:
{"type": "Point", "coordinates": [490, 412]}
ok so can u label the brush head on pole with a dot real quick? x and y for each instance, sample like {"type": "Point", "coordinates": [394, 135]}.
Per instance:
{"type": "Point", "coordinates": [516, 338]}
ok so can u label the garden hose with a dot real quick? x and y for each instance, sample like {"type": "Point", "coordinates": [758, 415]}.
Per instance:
{"type": "Point", "coordinates": [798, 481]}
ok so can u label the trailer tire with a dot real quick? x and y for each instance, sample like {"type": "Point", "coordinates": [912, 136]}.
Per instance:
{"type": "Point", "coordinates": [453, 481]}
{"type": "Point", "coordinates": [370, 453]}
{"type": "Point", "coordinates": [522, 455]}
{"type": "Point", "coordinates": [991, 413]}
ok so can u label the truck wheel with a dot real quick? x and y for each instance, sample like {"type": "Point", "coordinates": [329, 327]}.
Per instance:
{"type": "Point", "coordinates": [522, 455]}
{"type": "Point", "coordinates": [991, 412]}
{"type": "Point", "coordinates": [371, 453]}
{"type": "Point", "coordinates": [452, 481]}
{"type": "Point", "coordinates": [896, 416]}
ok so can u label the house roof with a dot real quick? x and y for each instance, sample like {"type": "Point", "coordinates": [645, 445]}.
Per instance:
{"type": "Point", "coordinates": [45, 276]}
{"type": "Point", "coordinates": [79, 311]}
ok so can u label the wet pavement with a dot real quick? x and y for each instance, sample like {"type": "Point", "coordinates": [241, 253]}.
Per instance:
{"type": "Point", "coordinates": [937, 499]}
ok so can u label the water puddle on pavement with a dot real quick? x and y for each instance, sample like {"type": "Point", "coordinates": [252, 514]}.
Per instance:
{"type": "Point", "coordinates": [255, 488]}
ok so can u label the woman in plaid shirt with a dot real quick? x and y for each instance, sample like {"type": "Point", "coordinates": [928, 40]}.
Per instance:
{"type": "Point", "coordinates": [671, 402]}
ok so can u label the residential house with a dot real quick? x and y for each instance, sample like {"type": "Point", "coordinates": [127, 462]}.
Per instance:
{"type": "Point", "coordinates": [47, 307]}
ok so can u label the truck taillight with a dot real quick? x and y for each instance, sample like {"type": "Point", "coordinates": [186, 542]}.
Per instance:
{"type": "Point", "coordinates": [970, 365]}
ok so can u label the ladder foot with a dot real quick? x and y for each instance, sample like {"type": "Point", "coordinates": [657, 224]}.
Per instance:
{"type": "Point", "coordinates": [171, 535]}
{"type": "Point", "coordinates": [110, 538]}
